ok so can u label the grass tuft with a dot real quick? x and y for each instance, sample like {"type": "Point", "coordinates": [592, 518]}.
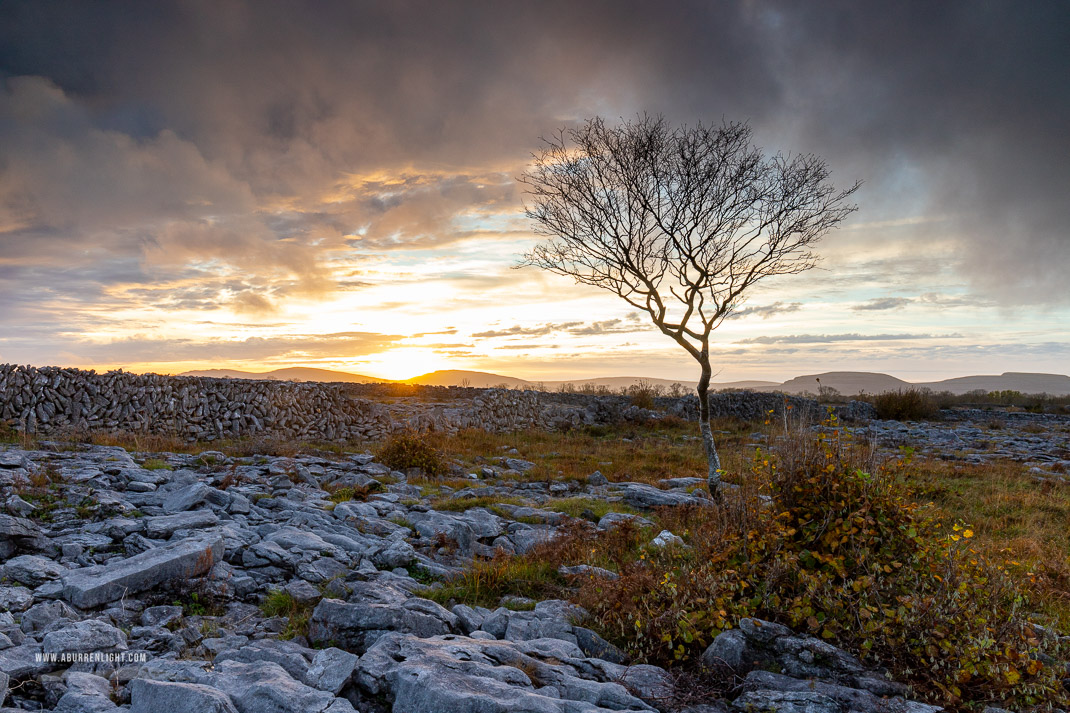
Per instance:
{"type": "Point", "coordinates": [282, 604]}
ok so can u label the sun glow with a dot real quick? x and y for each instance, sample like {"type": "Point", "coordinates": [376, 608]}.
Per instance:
{"type": "Point", "coordinates": [401, 364]}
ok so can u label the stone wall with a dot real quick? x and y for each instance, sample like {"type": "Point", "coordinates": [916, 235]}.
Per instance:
{"type": "Point", "coordinates": [54, 400]}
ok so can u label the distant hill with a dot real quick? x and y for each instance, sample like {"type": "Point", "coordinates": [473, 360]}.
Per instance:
{"type": "Point", "coordinates": [482, 379]}
{"type": "Point", "coordinates": [293, 373]}
{"type": "Point", "coordinates": [847, 383]}
{"type": "Point", "coordinates": [1054, 384]}
{"type": "Point", "coordinates": [615, 383]}
{"type": "Point", "coordinates": [853, 382]}
{"type": "Point", "coordinates": [475, 379]}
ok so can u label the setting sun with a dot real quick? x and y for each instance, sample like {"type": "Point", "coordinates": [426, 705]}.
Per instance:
{"type": "Point", "coordinates": [401, 364]}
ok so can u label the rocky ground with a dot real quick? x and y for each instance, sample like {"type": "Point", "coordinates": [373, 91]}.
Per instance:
{"type": "Point", "coordinates": [1038, 440]}
{"type": "Point", "coordinates": [174, 582]}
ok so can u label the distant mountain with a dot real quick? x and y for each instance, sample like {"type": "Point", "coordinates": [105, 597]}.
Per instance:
{"type": "Point", "coordinates": [293, 373]}
{"type": "Point", "coordinates": [847, 383]}
{"type": "Point", "coordinates": [744, 385]}
{"type": "Point", "coordinates": [1054, 384]}
{"type": "Point", "coordinates": [475, 379]}
{"type": "Point", "coordinates": [482, 379]}
{"type": "Point", "coordinates": [853, 382]}
{"type": "Point", "coordinates": [615, 383]}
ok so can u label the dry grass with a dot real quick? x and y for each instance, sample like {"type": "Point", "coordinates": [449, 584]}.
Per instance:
{"type": "Point", "coordinates": [646, 453]}
{"type": "Point", "coordinates": [1017, 520]}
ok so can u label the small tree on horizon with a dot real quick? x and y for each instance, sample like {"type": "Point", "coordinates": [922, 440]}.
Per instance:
{"type": "Point", "coordinates": [679, 222]}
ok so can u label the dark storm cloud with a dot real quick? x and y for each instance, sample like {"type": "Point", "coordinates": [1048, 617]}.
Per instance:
{"type": "Point", "coordinates": [263, 133]}
{"type": "Point", "coordinates": [957, 107]}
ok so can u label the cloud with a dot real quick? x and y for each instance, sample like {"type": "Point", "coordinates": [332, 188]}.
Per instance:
{"type": "Point", "coordinates": [235, 155]}
{"type": "Point", "coordinates": [833, 338]}
{"type": "Point", "coordinates": [78, 197]}
{"type": "Point", "coordinates": [882, 303]}
{"type": "Point", "coordinates": [633, 322]}
{"type": "Point", "coordinates": [612, 326]}
{"type": "Point", "coordinates": [942, 300]}
{"type": "Point", "coordinates": [269, 106]}
{"type": "Point", "coordinates": [145, 347]}
{"type": "Point", "coordinates": [522, 331]}
{"type": "Point", "coordinates": [766, 311]}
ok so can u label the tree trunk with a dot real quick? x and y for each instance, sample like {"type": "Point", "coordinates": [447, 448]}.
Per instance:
{"type": "Point", "coordinates": [713, 461]}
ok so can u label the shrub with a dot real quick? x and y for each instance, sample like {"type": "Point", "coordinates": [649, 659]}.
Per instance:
{"type": "Point", "coordinates": [410, 449]}
{"type": "Point", "coordinates": [844, 553]}
{"type": "Point", "coordinates": [643, 393]}
{"type": "Point", "coordinates": [906, 405]}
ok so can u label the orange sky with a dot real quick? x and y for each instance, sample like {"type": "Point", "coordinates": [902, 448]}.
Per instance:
{"type": "Point", "coordinates": [247, 185]}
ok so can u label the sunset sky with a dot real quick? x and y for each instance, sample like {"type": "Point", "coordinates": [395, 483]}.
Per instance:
{"type": "Point", "coordinates": [257, 184]}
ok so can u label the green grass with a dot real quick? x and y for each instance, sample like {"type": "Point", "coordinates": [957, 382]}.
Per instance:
{"type": "Point", "coordinates": [574, 507]}
{"type": "Point", "coordinates": [479, 501]}
{"type": "Point", "coordinates": [156, 464]}
{"type": "Point", "coordinates": [486, 582]}
{"type": "Point", "coordinates": [279, 603]}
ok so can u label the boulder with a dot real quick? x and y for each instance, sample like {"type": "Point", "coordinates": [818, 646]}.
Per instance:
{"type": "Point", "coordinates": [787, 702]}
{"type": "Point", "coordinates": [616, 519]}
{"type": "Point", "coordinates": [464, 675]}
{"type": "Point", "coordinates": [331, 670]}
{"type": "Point", "coordinates": [91, 635]}
{"type": "Point", "coordinates": [850, 699]}
{"type": "Point", "coordinates": [194, 495]}
{"type": "Point", "coordinates": [147, 696]}
{"type": "Point", "coordinates": [292, 657]}
{"type": "Point", "coordinates": [18, 527]}
{"type": "Point", "coordinates": [291, 538]}
{"type": "Point", "coordinates": [355, 627]}
{"type": "Point", "coordinates": [526, 539]}
{"type": "Point", "coordinates": [435, 525]}
{"type": "Point", "coordinates": [15, 598]}
{"type": "Point", "coordinates": [24, 660]}
{"type": "Point", "coordinates": [643, 496]}
{"type": "Point", "coordinates": [92, 586]}
{"type": "Point", "coordinates": [86, 693]}
{"type": "Point", "coordinates": [667, 539]}
{"type": "Point", "coordinates": [43, 615]}
{"type": "Point", "coordinates": [396, 553]}
{"type": "Point", "coordinates": [265, 686]}
{"type": "Point", "coordinates": [814, 673]}
{"type": "Point", "coordinates": [163, 526]}
{"type": "Point", "coordinates": [161, 615]}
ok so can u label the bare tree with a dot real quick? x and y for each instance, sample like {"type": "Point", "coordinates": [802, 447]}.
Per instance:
{"type": "Point", "coordinates": [679, 222]}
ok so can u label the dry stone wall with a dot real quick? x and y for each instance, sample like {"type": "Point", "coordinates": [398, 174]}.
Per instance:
{"type": "Point", "coordinates": [54, 400]}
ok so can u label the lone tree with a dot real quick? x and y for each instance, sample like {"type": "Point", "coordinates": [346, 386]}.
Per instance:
{"type": "Point", "coordinates": [679, 222]}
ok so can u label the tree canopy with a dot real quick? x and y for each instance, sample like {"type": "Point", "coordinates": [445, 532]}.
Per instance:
{"type": "Point", "coordinates": [678, 221]}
